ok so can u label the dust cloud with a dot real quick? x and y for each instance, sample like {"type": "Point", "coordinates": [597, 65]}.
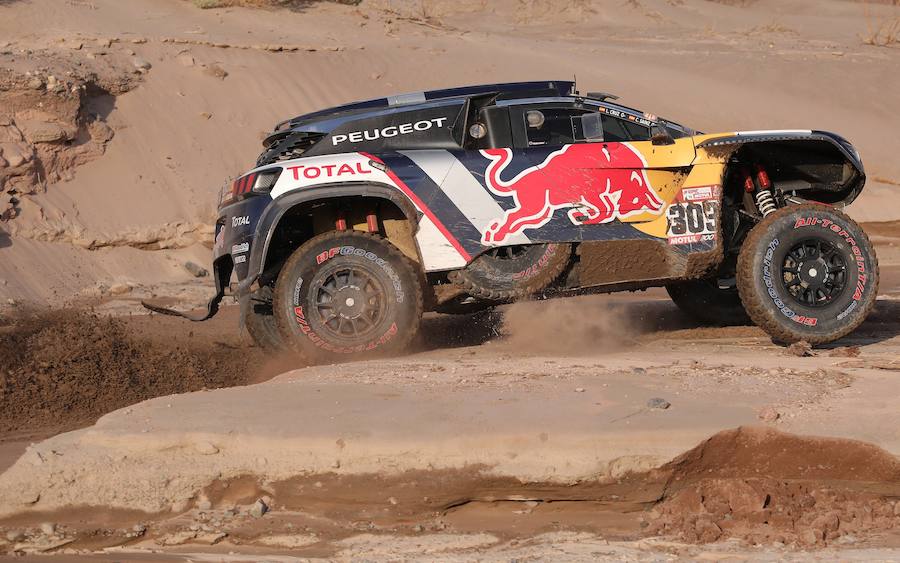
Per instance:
{"type": "Point", "coordinates": [576, 326]}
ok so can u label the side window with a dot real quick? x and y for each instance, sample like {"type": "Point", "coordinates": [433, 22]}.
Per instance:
{"type": "Point", "coordinates": [550, 126]}
{"type": "Point", "coordinates": [617, 130]}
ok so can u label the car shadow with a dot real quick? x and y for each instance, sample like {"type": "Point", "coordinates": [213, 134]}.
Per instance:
{"type": "Point", "coordinates": [646, 320]}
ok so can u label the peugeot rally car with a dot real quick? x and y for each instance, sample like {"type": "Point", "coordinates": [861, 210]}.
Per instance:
{"type": "Point", "coordinates": [358, 218]}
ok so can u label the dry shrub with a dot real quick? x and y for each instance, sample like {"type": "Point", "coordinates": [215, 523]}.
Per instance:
{"type": "Point", "coordinates": [881, 31]}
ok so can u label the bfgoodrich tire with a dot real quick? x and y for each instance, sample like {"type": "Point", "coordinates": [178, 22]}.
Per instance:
{"type": "Point", "coordinates": [346, 295]}
{"type": "Point", "coordinates": [708, 303]}
{"type": "Point", "coordinates": [807, 272]}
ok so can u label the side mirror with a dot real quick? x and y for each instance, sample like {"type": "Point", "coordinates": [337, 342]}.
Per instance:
{"type": "Point", "coordinates": [659, 136]}
{"type": "Point", "coordinates": [592, 127]}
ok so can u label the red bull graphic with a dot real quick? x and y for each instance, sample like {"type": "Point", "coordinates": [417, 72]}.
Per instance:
{"type": "Point", "coordinates": [598, 184]}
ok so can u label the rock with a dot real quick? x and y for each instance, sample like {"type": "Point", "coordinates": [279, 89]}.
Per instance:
{"type": "Point", "coordinates": [120, 289]}
{"type": "Point", "coordinates": [825, 523]}
{"type": "Point", "coordinates": [579, 389]}
{"type": "Point", "coordinates": [185, 59]}
{"type": "Point", "coordinates": [139, 529]}
{"type": "Point", "coordinates": [211, 538]}
{"type": "Point", "coordinates": [215, 71]}
{"type": "Point", "coordinates": [48, 528]}
{"type": "Point", "coordinates": [845, 352]}
{"type": "Point", "coordinates": [707, 530]}
{"type": "Point", "coordinates": [141, 64]}
{"type": "Point", "coordinates": [195, 270]}
{"type": "Point", "coordinates": [800, 349]}
{"type": "Point", "coordinates": [101, 132]}
{"type": "Point", "coordinates": [16, 154]}
{"type": "Point", "coordinates": [35, 83]}
{"type": "Point", "coordinates": [810, 536]}
{"type": "Point", "coordinates": [418, 528]}
{"type": "Point", "coordinates": [206, 115]}
{"type": "Point", "coordinates": [106, 43]}
{"type": "Point", "coordinates": [177, 538]}
{"type": "Point", "coordinates": [14, 535]}
{"type": "Point", "coordinates": [76, 45]}
{"type": "Point", "coordinates": [138, 40]}
{"type": "Point", "coordinates": [658, 403]}
{"type": "Point", "coordinates": [393, 500]}
{"type": "Point", "coordinates": [769, 414]}
{"type": "Point", "coordinates": [206, 448]}
{"type": "Point", "coordinates": [204, 504]}
{"type": "Point", "coordinates": [43, 131]}
{"type": "Point", "coordinates": [258, 509]}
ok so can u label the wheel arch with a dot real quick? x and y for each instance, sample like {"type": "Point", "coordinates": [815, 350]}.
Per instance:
{"type": "Point", "coordinates": [813, 165]}
{"type": "Point", "coordinates": [271, 230]}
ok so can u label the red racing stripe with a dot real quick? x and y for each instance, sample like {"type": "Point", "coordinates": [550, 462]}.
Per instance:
{"type": "Point", "coordinates": [421, 205]}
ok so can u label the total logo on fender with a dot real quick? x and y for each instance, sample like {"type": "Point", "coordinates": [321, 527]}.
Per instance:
{"type": "Point", "coordinates": [329, 170]}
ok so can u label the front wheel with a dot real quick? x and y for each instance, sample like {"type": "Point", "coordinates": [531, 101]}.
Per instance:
{"type": "Point", "coordinates": [345, 295]}
{"type": "Point", "coordinates": [807, 272]}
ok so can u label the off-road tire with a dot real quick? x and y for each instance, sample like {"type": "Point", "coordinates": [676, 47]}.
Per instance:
{"type": "Point", "coordinates": [764, 274]}
{"type": "Point", "coordinates": [706, 302]}
{"type": "Point", "coordinates": [498, 277]}
{"type": "Point", "coordinates": [260, 321]}
{"type": "Point", "coordinates": [383, 291]}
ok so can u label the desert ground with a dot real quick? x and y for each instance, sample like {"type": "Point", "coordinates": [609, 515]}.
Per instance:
{"type": "Point", "coordinates": [597, 427]}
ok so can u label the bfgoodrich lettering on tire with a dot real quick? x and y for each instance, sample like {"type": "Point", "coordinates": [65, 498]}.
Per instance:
{"type": "Point", "coordinates": [346, 295]}
{"type": "Point", "coordinates": [807, 272]}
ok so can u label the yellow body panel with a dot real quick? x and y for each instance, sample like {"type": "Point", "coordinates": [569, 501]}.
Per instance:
{"type": "Point", "coordinates": [670, 169]}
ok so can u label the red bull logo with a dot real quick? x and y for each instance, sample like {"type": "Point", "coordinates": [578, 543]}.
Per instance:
{"type": "Point", "coordinates": [598, 184]}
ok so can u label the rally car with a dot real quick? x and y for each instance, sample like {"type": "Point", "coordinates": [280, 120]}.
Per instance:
{"type": "Point", "coordinates": [358, 218]}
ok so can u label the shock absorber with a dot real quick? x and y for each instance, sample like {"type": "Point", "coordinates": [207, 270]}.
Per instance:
{"type": "Point", "coordinates": [765, 199]}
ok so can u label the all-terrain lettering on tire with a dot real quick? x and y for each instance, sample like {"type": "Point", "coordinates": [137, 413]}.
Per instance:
{"type": "Point", "coordinates": [807, 272]}
{"type": "Point", "coordinates": [347, 293]}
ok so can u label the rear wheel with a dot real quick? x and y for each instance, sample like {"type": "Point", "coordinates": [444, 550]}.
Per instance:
{"type": "Point", "coordinates": [509, 272]}
{"type": "Point", "coordinates": [711, 301]}
{"type": "Point", "coordinates": [807, 272]}
{"type": "Point", "coordinates": [347, 295]}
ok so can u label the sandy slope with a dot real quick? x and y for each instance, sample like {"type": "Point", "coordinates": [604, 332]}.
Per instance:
{"type": "Point", "coordinates": [186, 129]}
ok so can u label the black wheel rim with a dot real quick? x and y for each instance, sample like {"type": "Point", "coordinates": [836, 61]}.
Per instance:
{"type": "Point", "coordinates": [350, 302]}
{"type": "Point", "coordinates": [814, 272]}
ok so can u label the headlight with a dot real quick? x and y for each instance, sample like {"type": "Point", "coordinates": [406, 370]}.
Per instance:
{"type": "Point", "coordinates": [257, 182]}
{"type": "Point", "coordinates": [265, 180]}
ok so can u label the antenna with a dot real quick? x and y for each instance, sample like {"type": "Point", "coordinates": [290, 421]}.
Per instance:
{"type": "Point", "coordinates": [575, 83]}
